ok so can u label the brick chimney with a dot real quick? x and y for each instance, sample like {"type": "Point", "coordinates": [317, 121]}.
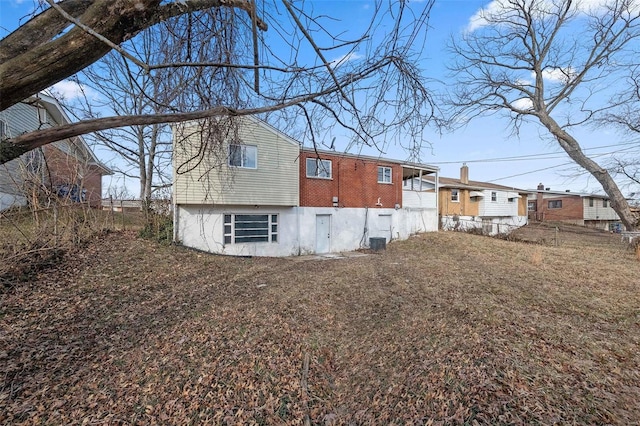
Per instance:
{"type": "Point", "coordinates": [464, 174]}
{"type": "Point", "coordinates": [539, 202]}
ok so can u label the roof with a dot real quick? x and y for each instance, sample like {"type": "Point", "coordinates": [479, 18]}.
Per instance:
{"type": "Point", "coordinates": [568, 194]}
{"type": "Point", "coordinates": [55, 110]}
{"type": "Point", "coordinates": [473, 185]}
{"type": "Point", "coordinates": [405, 164]}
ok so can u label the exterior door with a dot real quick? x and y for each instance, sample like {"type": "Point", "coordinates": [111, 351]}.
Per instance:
{"type": "Point", "coordinates": [383, 228]}
{"type": "Point", "coordinates": [323, 233]}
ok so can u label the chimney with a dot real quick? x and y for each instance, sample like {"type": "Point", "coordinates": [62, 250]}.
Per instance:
{"type": "Point", "coordinates": [464, 174]}
{"type": "Point", "coordinates": [539, 201]}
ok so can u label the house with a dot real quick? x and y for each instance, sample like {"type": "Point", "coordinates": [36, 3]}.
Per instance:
{"type": "Point", "coordinates": [67, 168]}
{"type": "Point", "coordinates": [260, 193]}
{"type": "Point", "coordinates": [592, 210]}
{"type": "Point", "coordinates": [465, 204]}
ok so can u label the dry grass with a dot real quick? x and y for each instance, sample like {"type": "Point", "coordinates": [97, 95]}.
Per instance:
{"type": "Point", "coordinates": [443, 328]}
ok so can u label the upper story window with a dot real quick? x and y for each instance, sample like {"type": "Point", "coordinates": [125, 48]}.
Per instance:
{"type": "Point", "coordinates": [604, 203]}
{"type": "Point", "coordinates": [590, 202]}
{"type": "Point", "coordinates": [494, 196]}
{"type": "Point", "coordinates": [384, 174]}
{"type": "Point", "coordinates": [4, 130]}
{"type": "Point", "coordinates": [318, 168]}
{"type": "Point", "coordinates": [245, 156]}
{"type": "Point", "coordinates": [42, 115]}
{"type": "Point", "coordinates": [555, 204]}
{"type": "Point", "coordinates": [455, 195]}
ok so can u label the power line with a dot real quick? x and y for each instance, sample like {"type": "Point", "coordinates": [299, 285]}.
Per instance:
{"type": "Point", "coordinates": [541, 156]}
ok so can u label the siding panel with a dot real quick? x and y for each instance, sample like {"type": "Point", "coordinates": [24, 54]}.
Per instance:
{"type": "Point", "coordinates": [212, 181]}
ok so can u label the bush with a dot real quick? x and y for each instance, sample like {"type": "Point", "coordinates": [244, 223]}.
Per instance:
{"type": "Point", "coordinates": [158, 228]}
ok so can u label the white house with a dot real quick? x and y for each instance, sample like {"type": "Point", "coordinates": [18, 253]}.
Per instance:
{"type": "Point", "coordinates": [258, 192]}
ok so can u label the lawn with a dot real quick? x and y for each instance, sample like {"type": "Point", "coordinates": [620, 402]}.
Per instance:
{"type": "Point", "coordinates": [445, 328]}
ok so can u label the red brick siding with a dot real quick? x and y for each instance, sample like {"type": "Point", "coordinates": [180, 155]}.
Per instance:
{"type": "Point", "coordinates": [66, 169]}
{"type": "Point", "coordinates": [354, 181]}
{"type": "Point", "coordinates": [572, 209]}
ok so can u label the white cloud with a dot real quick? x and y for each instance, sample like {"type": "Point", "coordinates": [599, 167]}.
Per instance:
{"type": "Point", "coordinates": [497, 7]}
{"type": "Point", "coordinates": [558, 75]}
{"type": "Point", "coordinates": [70, 90]}
{"type": "Point", "coordinates": [522, 103]}
{"type": "Point", "coordinates": [353, 56]}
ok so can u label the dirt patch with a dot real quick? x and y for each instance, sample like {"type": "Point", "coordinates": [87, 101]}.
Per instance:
{"type": "Point", "coordinates": [444, 327]}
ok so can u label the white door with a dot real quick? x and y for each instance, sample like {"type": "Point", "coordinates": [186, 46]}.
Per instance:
{"type": "Point", "coordinates": [323, 233]}
{"type": "Point", "coordinates": [383, 227]}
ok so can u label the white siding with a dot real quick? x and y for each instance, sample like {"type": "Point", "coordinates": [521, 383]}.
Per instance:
{"type": "Point", "coordinates": [274, 182]}
{"type": "Point", "coordinates": [20, 118]}
{"type": "Point", "coordinates": [501, 207]}
{"type": "Point", "coordinates": [416, 199]}
{"type": "Point", "coordinates": [598, 212]}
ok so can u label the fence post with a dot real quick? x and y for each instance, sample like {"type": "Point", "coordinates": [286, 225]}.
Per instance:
{"type": "Point", "coordinates": [122, 213]}
{"type": "Point", "coordinates": [556, 237]}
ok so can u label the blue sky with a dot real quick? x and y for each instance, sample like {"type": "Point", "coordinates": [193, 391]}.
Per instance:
{"type": "Point", "coordinates": [482, 139]}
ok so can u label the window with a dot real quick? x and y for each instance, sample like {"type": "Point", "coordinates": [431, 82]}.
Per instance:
{"type": "Point", "coordinates": [245, 156]}
{"type": "Point", "coordinates": [590, 202]}
{"type": "Point", "coordinates": [42, 115]}
{"type": "Point", "coordinates": [455, 195]}
{"type": "Point", "coordinates": [4, 131]}
{"type": "Point", "coordinates": [494, 196]}
{"type": "Point", "coordinates": [250, 228]}
{"type": "Point", "coordinates": [532, 206]}
{"type": "Point", "coordinates": [318, 168]}
{"type": "Point", "coordinates": [555, 204]}
{"type": "Point", "coordinates": [384, 174]}
{"type": "Point", "coordinates": [604, 203]}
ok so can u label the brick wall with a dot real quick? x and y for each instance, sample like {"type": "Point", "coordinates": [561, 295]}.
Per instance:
{"type": "Point", "coordinates": [354, 181]}
{"type": "Point", "coordinates": [68, 170]}
{"type": "Point", "coordinates": [572, 209]}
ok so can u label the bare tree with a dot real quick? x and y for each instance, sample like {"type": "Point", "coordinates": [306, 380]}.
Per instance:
{"type": "Point", "coordinates": [554, 62]}
{"type": "Point", "coordinates": [369, 85]}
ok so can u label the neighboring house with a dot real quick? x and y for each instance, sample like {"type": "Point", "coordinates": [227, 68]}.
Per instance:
{"type": "Point", "coordinates": [267, 196]}
{"type": "Point", "coordinates": [67, 168]}
{"type": "Point", "coordinates": [592, 210]}
{"type": "Point", "coordinates": [465, 204]}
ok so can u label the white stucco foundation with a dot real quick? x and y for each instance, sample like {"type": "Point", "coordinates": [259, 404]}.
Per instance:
{"type": "Point", "coordinates": [202, 227]}
{"type": "Point", "coordinates": [489, 225]}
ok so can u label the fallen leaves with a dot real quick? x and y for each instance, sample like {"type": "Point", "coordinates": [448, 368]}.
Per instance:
{"type": "Point", "coordinates": [441, 329]}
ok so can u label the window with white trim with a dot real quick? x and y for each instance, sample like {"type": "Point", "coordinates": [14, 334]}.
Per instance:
{"type": "Point", "coordinates": [494, 196]}
{"type": "Point", "coordinates": [317, 168]}
{"type": "Point", "coordinates": [250, 228]}
{"type": "Point", "coordinates": [604, 203]}
{"type": "Point", "coordinates": [455, 195]}
{"type": "Point", "coordinates": [384, 174]}
{"type": "Point", "coordinates": [590, 202]}
{"type": "Point", "coordinates": [245, 156]}
{"type": "Point", "coordinates": [4, 130]}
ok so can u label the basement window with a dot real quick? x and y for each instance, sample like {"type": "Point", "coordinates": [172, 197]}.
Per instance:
{"type": "Point", "coordinates": [250, 228]}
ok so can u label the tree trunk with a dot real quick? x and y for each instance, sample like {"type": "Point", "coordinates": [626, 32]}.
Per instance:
{"type": "Point", "coordinates": [28, 68]}
{"type": "Point", "coordinates": [572, 148]}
